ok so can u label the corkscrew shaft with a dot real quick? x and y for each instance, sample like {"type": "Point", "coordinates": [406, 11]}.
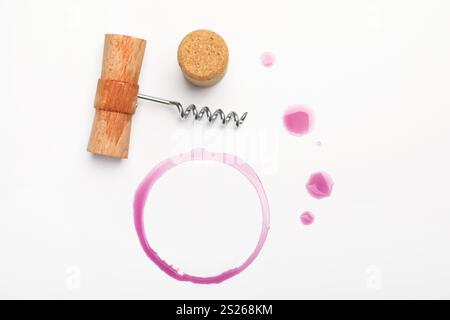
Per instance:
{"type": "Point", "coordinates": [198, 114]}
{"type": "Point", "coordinates": [155, 99]}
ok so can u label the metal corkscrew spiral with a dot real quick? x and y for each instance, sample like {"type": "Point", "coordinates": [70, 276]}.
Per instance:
{"type": "Point", "coordinates": [199, 114]}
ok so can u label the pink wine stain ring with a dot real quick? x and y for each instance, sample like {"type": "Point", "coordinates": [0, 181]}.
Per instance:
{"type": "Point", "coordinates": [198, 154]}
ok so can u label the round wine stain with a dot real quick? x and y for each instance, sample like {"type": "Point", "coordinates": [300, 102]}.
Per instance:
{"type": "Point", "coordinates": [298, 120]}
{"type": "Point", "coordinates": [268, 59]}
{"type": "Point", "coordinates": [320, 185]}
{"type": "Point", "coordinates": [307, 218]}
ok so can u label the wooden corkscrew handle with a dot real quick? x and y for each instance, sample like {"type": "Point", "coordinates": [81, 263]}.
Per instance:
{"type": "Point", "coordinates": [115, 100]}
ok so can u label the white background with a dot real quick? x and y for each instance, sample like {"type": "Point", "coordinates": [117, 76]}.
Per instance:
{"type": "Point", "coordinates": [376, 74]}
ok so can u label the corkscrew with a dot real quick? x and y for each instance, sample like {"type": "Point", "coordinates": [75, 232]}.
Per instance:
{"type": "Point", "coordinates": [118, 92]}
{"type": "Point", "coordinates": [199, 114]}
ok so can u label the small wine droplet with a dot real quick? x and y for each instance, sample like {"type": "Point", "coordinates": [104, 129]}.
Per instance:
{"type": "Point", "coordinates": [267, 59]}
{"type": "Point", "coordinates": [307, 218]}
{"type": "Point", "coordinates": [320, 185]}
{"type": "Point", "coordinates": [297, 120]}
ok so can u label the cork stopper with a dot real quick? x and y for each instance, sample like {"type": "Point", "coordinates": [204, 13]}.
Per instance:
{"type": "Point", "coordinates": [203, 57]}
{"type": "Point", "coordinates": [115, 100]}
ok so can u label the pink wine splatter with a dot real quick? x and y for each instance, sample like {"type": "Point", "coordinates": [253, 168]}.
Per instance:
{"type": "Point", "coordinates": [267, 59]}
{"type": "Point", "coordinates": [307, 218]}
{"type": "Point", "coordinates": [320, 185]}
{"type": "Point", "coordinates": [298, 120]}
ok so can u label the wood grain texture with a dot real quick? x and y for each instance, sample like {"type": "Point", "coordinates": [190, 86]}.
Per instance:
{"type": "Point", "coordinates": [122, 58]}
{"type": "Point", "coordinates": [110, 135]}
{"type": "Point", "coordinates": [115, 100]}
{"type": "Point", "coordinates": [116, 96]}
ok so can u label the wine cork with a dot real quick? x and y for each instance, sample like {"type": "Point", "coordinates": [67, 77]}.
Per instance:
{"type": "Point", "coordinates": [203, 57]}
